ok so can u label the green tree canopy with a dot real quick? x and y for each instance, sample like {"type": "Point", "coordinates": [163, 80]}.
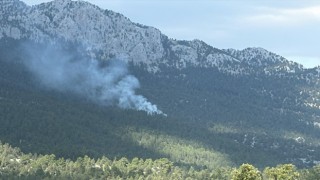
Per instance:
{"type": "Point", "coordinates": [282, 172]}
{"type": "Point", "coordinates": [246, 172]}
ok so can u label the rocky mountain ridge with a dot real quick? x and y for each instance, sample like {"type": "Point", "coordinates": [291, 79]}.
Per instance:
{"type": "Point", "coordinates": [107, 34]}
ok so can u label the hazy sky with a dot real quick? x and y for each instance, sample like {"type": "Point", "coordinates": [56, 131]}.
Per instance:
{"type": "Point", "coordinates": [290, 28]}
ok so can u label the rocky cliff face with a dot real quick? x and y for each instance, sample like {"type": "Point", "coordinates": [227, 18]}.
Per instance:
{"type": "Point", "coordinates": [105, 33]}
{"type": "Point", "coordinates": [108, 34]}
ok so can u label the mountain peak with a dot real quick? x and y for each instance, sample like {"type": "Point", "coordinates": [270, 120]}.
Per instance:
{"type": "Point", "coordinates": [62, 1]}
{"type": "Point", "coordinates": [59, 4]}
{"type": "Point", "coordinates": [9, 1]}
{"type": "Point", "coordinates": [256, 55]}
{"type": "Point", "coordinates": [256, 50]}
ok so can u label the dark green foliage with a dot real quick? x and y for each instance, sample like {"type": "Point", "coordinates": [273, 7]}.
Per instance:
{"type": "Point", "coordinates": [237, 113]}
{"type": "Point", "coordinates": [45, 122]}
{"type": "Point", "coordinates": [214, 119]}
{"type": "Point", "coordinates": [310, 174]}
{"type": "Point", "coordinates": [282, 172]}
{"type": "Point", "coordinates": [246, 172]}
{"type": "Point", "coordinates": [16, 165]}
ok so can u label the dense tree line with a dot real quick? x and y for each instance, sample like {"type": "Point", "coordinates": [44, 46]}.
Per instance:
{"type": "Point", "coordinates": [16, 165]}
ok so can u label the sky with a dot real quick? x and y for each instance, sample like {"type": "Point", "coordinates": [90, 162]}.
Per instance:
{"type": "Point", "coordinates": [290, 28]}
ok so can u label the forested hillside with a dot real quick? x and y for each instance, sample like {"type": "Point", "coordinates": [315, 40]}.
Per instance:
{"type": "Point", "coordinates": [212, 120]}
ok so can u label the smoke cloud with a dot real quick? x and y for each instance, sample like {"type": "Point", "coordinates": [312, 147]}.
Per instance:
{"type": "Point", "coordinates": [106, 83]}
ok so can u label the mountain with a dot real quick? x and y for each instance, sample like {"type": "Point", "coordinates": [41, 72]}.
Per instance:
{"type": "Point", "coordinates": [107, 34]}
{"type": "Point", "coordinates": [229, 106]}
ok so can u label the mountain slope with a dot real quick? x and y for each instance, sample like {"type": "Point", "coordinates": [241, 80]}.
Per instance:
{"type": "Point", "coordinates": [107, 34]}
{"type": "Point", "coordinates": [228, 106]}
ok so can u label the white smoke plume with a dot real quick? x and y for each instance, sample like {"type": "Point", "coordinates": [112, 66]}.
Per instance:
{"type": "Point", "coordinates": [104, 83]}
